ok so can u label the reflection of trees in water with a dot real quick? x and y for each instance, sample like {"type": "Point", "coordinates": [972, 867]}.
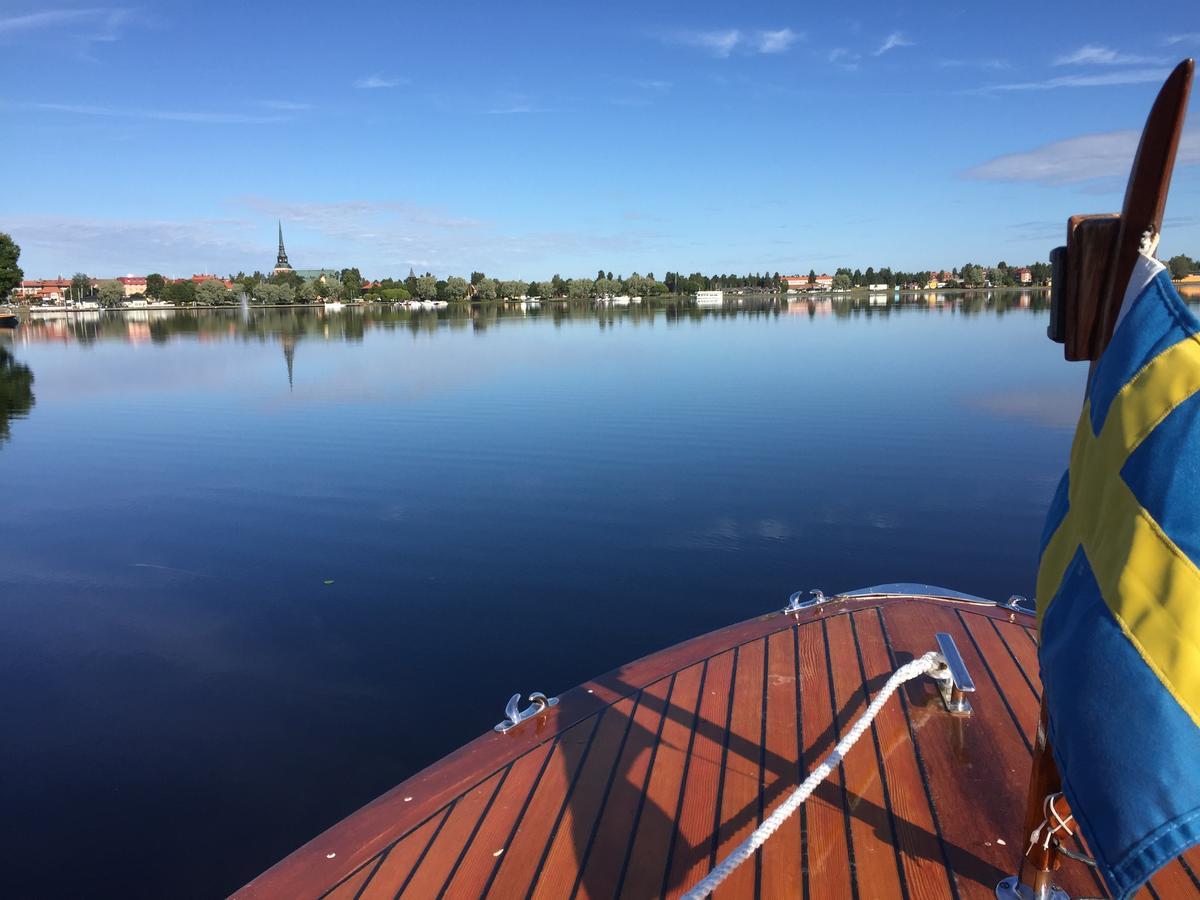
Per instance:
{"type": "Point", "coordinates": [352, 323]}
{"type": "Point", "coordinates": [16, 391]}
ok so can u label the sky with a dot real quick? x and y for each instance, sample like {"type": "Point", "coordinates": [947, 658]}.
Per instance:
{"type": "Point", "coordinates": [525, 139]}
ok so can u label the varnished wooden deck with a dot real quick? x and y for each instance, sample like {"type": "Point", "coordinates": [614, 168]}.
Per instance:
{"type": "Point", "coordinates": [639, 782]}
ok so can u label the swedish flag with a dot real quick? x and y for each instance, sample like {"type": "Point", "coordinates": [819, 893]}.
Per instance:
{"type": "Point", "coordinates": [1119, 593]}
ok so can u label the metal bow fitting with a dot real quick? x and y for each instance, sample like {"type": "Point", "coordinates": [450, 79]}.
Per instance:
{"type": "Point", "coordinates": [795, 604]}
{"type": "Point", "coordinates": [538, 704]}
{"type": "Point", "coordinates": [1019, 604]}
{"type": "Point", "coordinates": [953, 680]}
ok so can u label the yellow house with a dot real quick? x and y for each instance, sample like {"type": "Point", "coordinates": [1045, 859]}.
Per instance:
{"type": "Point", "coordinates": [1189, 279]}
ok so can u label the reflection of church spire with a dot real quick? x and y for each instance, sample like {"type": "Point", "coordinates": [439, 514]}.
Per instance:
{"type": "Point", "coordinates": [289, 354]}
{"type": "Point", "coordinates": [281, 261]}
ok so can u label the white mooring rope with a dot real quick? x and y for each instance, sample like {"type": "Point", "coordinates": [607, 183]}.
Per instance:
{"type": "Point", "coordinates": [907, 672]}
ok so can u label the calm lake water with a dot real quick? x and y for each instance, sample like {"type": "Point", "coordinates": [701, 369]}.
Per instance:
{"type": "Point", "coordinates": [260, 567]}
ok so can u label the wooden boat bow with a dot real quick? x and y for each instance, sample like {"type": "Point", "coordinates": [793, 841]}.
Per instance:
{"type": "Point", "coordinates": [636, 783]}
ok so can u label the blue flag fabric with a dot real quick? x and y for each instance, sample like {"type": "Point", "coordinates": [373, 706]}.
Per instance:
{"type": "Point", "coordinates": [1119, 594]}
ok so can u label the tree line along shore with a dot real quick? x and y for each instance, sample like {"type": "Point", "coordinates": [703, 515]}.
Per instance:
{"type": "Point", "coordinates": [282, 288]}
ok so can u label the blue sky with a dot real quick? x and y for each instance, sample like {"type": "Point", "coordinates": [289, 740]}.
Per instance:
{"type": "Point", "coordinates": [526, 139]}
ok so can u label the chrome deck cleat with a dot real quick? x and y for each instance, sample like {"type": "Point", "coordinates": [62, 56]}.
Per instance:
{"type": "Point", "coordinates": [538, 704]}
{"type": "Point", "coordinates": [954, 681]}
{"type": "Point", "coordinates": [815, 598]}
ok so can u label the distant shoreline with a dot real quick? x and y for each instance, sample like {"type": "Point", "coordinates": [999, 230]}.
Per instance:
{"type": "Point", "coordinates": [28, 309]}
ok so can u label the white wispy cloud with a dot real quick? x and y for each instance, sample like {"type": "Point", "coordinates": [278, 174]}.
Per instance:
{"type": "Point", "coordinates": [514, 104]}
{"type": "Point", "coordinates": [891, 42]}
{"type": "Point", "coordinates": [78, 29]}
{"type": "Point", "coordinates": [381, 237]}
{"type": "Point", "coordinates": [67, 243]}
{"type": "Point", "coordinates": [646, 92]}
{"type": "Point", "coordinates": [377, 81]}
{"type": "Point", "coordinates": [1104, 79]}
{"type": "Point", "coordinates": [389, 236]}
{"type": "Point", "coordinates": [846, 59]}
{"type": "Point", "coordinates": [718, 43]}
{"type": "Point", "coordinates": [1078, 159]}
{"type": "Point", "coordinates": [777, 41]}
{"type": "Point", "coordinates": [973, 63]}
{"type": "Point", "coordinates": [285, 105]}
{"type": "Point", "coordinates": [1093, 55]}
{"type": "Point", "coordinates": [162, 115]}
{"type": "Point", "coordinates": [723, 42]}
{"type": "Point", "coordinates": [1190, 37]}
{"type": "Point", "coordinates": [104, 18]}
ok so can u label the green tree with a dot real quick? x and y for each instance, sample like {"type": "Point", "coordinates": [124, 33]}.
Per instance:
{"type": "Point", "coordinates": [456, 289]}
{"type": "Point", "coordinates": [270, 294]}
{"type": "Point", "coordinates": [213, 293]}
{"type": "Point", "coordinates": [972, 275]}
{"type": "Point", "coordinates": [842, 281]}
{"type": "Point", "coordinates": [581, 288]}
{"type": "Point", "coordinates": [112, 293]}
{"type": "Point", "coordinates": [291, 279]}
{"type": "Point", "coordinates": [425, 288]}
{"type": "Point", "coordinates": [182, 293]}
{"type": "Point", "coordinates": [81, 286]}
{"type": "Point", "coordinates": [1181, 266]}
{"type": "Point", "coordinates": [154, 285]}
{"type": "Point", "coordinates": [10, 272]}
{"type": "Point", "coordinates": [351, 283]}
{"type": "Point", "coordinates": [477, 277]}
{"type": "Point", "coordinates": [306, 293]}
{"type": "Point", "coordinates": [328, 288]}
{"type": "Point", "coordinates": [485, 289]}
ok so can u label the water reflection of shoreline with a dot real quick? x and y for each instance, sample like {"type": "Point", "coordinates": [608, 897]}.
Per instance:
{"type": "Point", "coordinates": [16, 392]}
{"type": "Point", "coordinates": [351, 324]}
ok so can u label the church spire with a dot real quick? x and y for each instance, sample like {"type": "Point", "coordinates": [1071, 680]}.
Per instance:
{"type": "Point", "coordinates": [281, 261]}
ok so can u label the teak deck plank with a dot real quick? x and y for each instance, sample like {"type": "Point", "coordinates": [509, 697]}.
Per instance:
{"type": "Point", "coordinates": [605, 854]}
{"type": "Point", "coordinates": [438, 863]}
{"type": "Point", "coordinates": [781, 874]}
{"type": "Point", "coordinates": [990, 762]}
{"type": "Point", "coordinates": [742, 777]}
{"type": "Point", "coordinates": [647, 865]}
{"type": "Point", "coordinates": [918, 836]}
{"type": "Point", "coordinates": [691, 847]}
{"type": "Point", "coordinates": [1175, 879]}
{"type": "Point", "coordinates": [557, 874]}
{"type": "Point", "coordinates": [639, 781]}
{"type": "Point", "coordinates": [826, 845]}
{"type": "Point", "coordinates": [353, 886]}
{"type": "Point", "coordinates": [482, 855]}
{"type": "Point", "coordinates": [398, 862]}
{"type": "Point", "coordinates": [870, 806]}
{"type": "Point", "coordinates": [529, 842]}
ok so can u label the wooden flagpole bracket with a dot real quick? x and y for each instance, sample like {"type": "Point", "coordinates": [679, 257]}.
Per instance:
{"type": "Point", "coordinates": [1090, 273]}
